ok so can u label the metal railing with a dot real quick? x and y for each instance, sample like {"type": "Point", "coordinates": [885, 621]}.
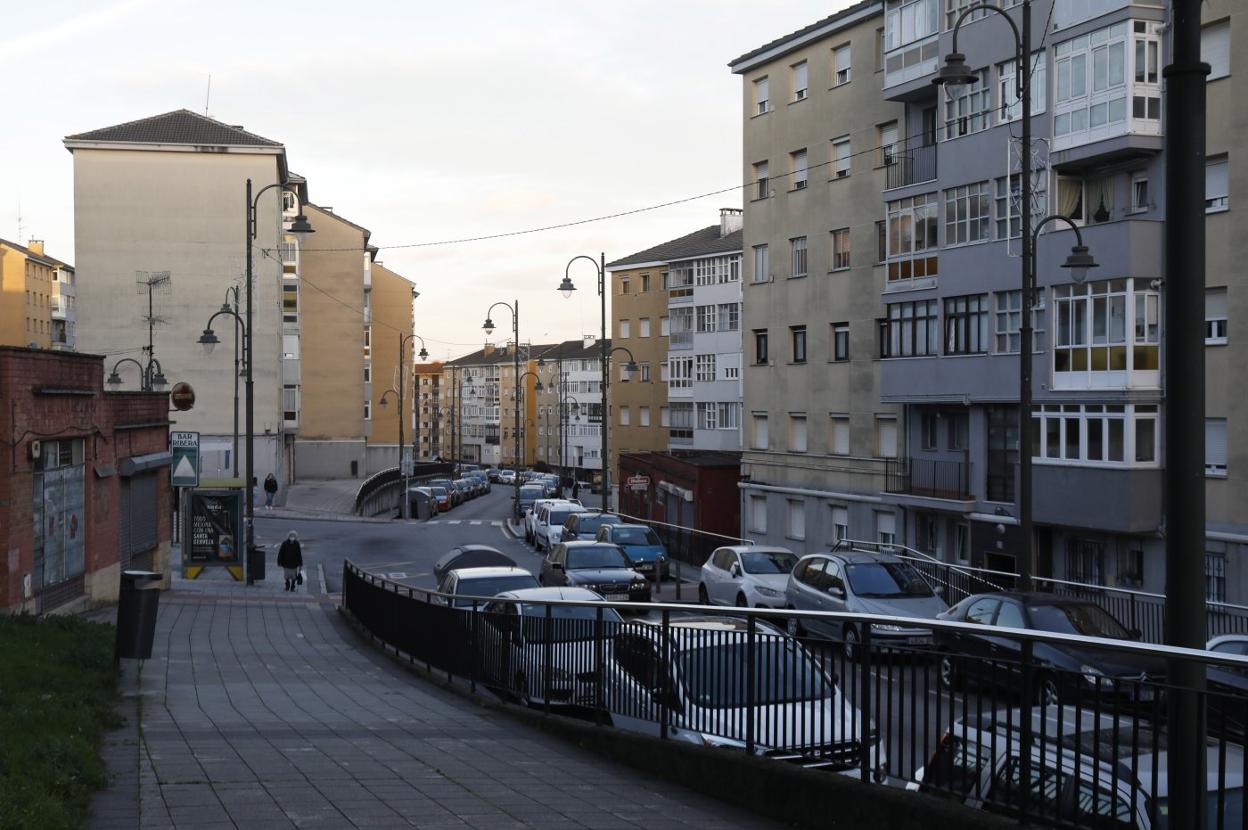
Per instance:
{"type": "Point", "coordinates": [929, 477]}
{"type": "Point", "coordinates": [382, 492]}
{"type": "Point", "coordinates": [911, 166]}
{"type": "Point", "coordinates": [1009, 720]}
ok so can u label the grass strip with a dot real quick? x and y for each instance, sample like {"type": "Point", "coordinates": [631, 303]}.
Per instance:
{"type": "Point", "coordinates": [58, 690]}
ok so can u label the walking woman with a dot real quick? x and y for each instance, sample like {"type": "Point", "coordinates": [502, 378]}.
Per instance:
{"type": "Point", "coordinates": [290, 559]}
{"type": "Point", "coordinates": [270, 490]}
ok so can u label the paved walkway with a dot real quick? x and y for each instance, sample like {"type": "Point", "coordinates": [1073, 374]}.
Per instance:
{"type": "Point", "coordinates": [333, 498]}
{"type": "Point", "coordinates": [267, 711]}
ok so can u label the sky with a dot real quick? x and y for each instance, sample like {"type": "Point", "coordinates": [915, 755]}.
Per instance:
{"type": "Point", "coordinates": [420, 121]}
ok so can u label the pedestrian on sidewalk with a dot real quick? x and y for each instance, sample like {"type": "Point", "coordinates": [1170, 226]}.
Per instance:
{"type": "Point", "coordinates": [576, 489]}
{"type": "Point", "coordinates": [270, 490]}
{"type": "Point", "coordinates": [290, 559]}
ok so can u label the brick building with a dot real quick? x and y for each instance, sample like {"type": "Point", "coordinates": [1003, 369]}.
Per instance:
{"type": "Point", "coordinates": [84, 481]}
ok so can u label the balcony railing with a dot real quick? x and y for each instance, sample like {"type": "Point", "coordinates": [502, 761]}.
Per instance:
{"type": "Point", "coordinates": [910, 166]}
{"type": "Point", "coordinates": [930, 478]}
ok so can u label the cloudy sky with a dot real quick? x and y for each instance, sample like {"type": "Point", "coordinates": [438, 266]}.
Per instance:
{"type": "Point", "coordinates": [421, 121]}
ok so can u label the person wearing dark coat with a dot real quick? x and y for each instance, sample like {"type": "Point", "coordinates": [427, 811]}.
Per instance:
{"type": "Point", "coordinates": [270, 490]}
{"type": "Point", "coordinates": [290, 559]}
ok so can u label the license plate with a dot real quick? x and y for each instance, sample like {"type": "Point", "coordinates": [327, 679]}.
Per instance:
{"type": "Point", "coordinates": [617, 597]}
{"type": "Point", "coordinates": [645, 566]}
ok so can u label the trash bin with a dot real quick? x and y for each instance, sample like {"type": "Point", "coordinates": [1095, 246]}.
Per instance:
{"type": "Point", "coordinates": [255, 564]}
{"type": "Point", "coordinates": [136, 613]}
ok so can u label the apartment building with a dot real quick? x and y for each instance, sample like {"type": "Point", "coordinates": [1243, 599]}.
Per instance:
{"type": "Point", "coordinates": [569, 407]}
{"type": "Point", "coordinates": [166, 193]}
{"type": "Point", "coordinates": [389, 312]}
{"type": "Point", "coordinates": [38, 297]}
{"type": "Point", "coordinates": [427, 384]}
{"type": "Point", "coordinates": [472, 406]}
{"type": "Point", "coordinates": [820, 143]}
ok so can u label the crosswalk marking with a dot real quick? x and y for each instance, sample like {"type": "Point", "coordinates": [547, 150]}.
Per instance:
{"type": "Point", "coordinates": [475, 522]}
{"type": "Point", "coordinates": [454, 521]}
{"type": "Point", "coordinates": [496, 524]}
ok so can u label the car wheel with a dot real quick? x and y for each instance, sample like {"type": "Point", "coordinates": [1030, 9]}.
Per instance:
{"type": "Point", "coordinates": [852, 645]}
{"type": "Point", "coordinates": [1048, 692]}
{"type": "Point", "coordinates": [950, 677]}
{"type": "Point", "coordinates": [703, 598]}
{"type": "Point", "coordinates": [742, 602]}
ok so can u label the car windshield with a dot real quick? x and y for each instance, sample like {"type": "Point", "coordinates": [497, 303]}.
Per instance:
{"type": "Point", "coordinates": [528, 493]}
{"type": "Point", "coordinates": [634, 535]}
{"type": "Point", "coordinates": [590, 524]}
{"type": "Point", "coordinates": [558, 517]}
{"type": "Point", "coordinates": [438, 491]}
{"type": "Point", "coordinates": [488, 586]}
{"type": "Point", "coordinates": [568, 622]}
{"type": "Point", "coordinates": [886, 579]}
{"type": "Point", "coordinates": [1077, 618]}
{"type": "Point", "coordinates": [596, 556]}
{"type": "Point", "coordinates": [714, 675]}
{"type": "Point", "coordinates": [768, 563]}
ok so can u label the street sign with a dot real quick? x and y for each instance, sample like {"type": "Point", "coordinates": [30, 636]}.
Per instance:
{"type": "Point", "coordinates": [184, 447]}
{"type": "Point", "coordinates": [182, 396]}
{"type": "Point", "coordinates": [639, 484]}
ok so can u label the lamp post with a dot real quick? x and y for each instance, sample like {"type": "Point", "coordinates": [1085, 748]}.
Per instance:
{"type": "Point", "coordinates": [954, 75]}
{"type": "Point", "coordinates": [232, 293]}
{"type": "Point", "coordinates": [514, 308]}
{"type": "Point", "coordinates": [151, 378]}
{"type": "Point", "coordinates": [404, 339]}
{"type": "Point", "coordinates": [566, 288]}
{"type": "Point", "coordinates": [209, 339]}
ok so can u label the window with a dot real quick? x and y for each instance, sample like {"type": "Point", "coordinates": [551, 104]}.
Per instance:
{"type": "Point", "coordinates": [966, 324]}
{"type": "Point", "coordinates": [368, 410]}
{"type": "Point", "coordinates": [1119, 434]}
{"type": "Point", "coordinates": [912, 237]}
{"type": "Point", "coordinates": [644, 325]}
{"type": "Point", "coordinates": [840, 434]}
{"type": "Point", "coordinates": [910, 330]}
{"type": "Point", "coordinates": [1002, 452]}
{"type": "Point", "coordinates": [681, 373]}
{"type": "Point", "coordinates": [797, 340]}
{"type": "Point", "coordinates": [644, 416]}
{"type": "Point", "coordinates": [799, 80]}
{"type": "Point", "coordinates": [760, 431]}
{"type": "Point", "coordinates": [886, 528]}
{"type": "Point", "coordinates": [1215, 574]}
{"type": "Point", "coordinates": [881, 241]}
{"type": "Point", "coordinates": [729, 316]}
{"type": "Point", "coordinates": [1085, 561]}
{"type": "Point", "coordinates": [665, 416]}
{"type": "Point", "coordinates": [886, 140]}
{"type": "Point", "coordinates": [959, 430]}
{"type": "Point", "coordinates": [966, 214]}
{"type": "Point", "coordinates": [625, 286]}
{"type": "Point", "coordinates": [840, 523]}
{"type": "Point", "coordinates": [1215, 316]}
{"type": "Point", "coordinates": [644, 366]}
{"type": "Point", "coordinates": [762, 270]}
{"type": "Point", "coordinates": [760, 346]}
{"type": "Point", "coordinates": [1216, 189]}
{"type": "Point", "coordinates": [841, 65]}
{"type": "Point", "coordinates": [879, 49]}
{"type": "Point", "coordinates": [762, 180]}
{"type": "Point", "coordinates": [796, 524]}
{"type": "Point", "coordinates": [1215, 446]}
{"type": "Point", "coordinates": [840, 249]}
{"type": "Point", "coordinates": [1215, 49]}
{"type": "Point", "coordinates": [731, 373]}
{"type": "Point", "coordinates": [368, 373]}
{"type": "Point", "coordinates": [1092, 333]}
{"type": "Point", "coordinates": [971, 110]}
{"type": "Point", "coordinates": [708, 416]}
{"type": "Point", "coordinates": [758, 514]}
{"type": "Point", "coordinates": [706, 318]}
{"type": "Point", "coordinates": [797, 432]}
{"type": "Point", "coordinates": [1141, 199]}
{"type": "Point", "coordinates": [705, 368]}
{"type": "Point", "coordinates": [886, 436]}
{"type": "Point", "coordinates": [290, 346]}
{"type": "Point", "coordinates": [929, 430]}
{"type": "Point", "coordinates": [1009, 102]}
{"type": "Point", "coordinates": [1091, 80]}
{"type": "Point", "coordinates": [760, 96]}
{"type": "Point", "coordinates": [840, 342]}
{"type": "Point", "coordinates": [290, 303]}
{"type": "Point", "coordinates": [1008, 317]}
{"type": "Point", "coordinates": [290, 402]}
{"type": "Point", "coordinates": [797, 256]}
{"type": "Point", "coordinates": [645, 283]}
{"type": "Point", "coordinates": [625, 329]}
{"type": "Point", "coordinates": [665, 326]}
{"type": "Point", "coordinates": [797, 165]}
{"type": "Point", "coordinates": [841, 157]}
{"type": "Point", "coordinates": [624, 416]}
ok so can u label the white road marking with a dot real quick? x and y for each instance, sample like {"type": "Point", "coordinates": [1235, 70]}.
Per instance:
{"type": "Point", "coordinates": [397, 575]}
{"type": "Point", "coordinates": [475, 522]}
{"type": "Point", "coordinates": [454, 521]}
{"type": "Point", "coordinates": [434, 522]}
{"type": "Point", "coordinates": [496, 524]}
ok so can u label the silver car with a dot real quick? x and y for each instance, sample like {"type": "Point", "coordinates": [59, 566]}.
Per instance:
{"type": "Point", "coordinates": [862, 583]}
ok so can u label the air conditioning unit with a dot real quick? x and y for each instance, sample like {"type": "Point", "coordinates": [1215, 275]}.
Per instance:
{"type": "Point", "coordinates": [35, 448]}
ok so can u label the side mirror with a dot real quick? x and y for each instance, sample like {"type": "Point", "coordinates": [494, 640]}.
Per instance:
{"type": "Point", "coordinates": [836, 591]}
{"type": "Point", "coordinates": [735, 569]}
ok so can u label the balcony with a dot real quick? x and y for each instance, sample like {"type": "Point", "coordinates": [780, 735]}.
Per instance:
{"type": "Point", "coordinates": [929, 478]}
{"type": "Point", "coordinates": [918, 164]}
{"type": "Point", "coordinates": [680, 341]}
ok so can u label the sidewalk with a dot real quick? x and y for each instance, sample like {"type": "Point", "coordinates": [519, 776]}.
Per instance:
{"type": "Point", "coordinates": [313, 499]}
{"type": "Point", "coordinates": [269, 712]}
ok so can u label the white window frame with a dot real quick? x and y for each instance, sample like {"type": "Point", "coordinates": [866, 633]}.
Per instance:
{"type": "Point", "coordinates": [799, 436]}
{"type": "Point", "coordinates": [625, 329]}
{"type": "Point", "coordinates": [704, 368]}
{"type": "Point", "coordinates": [800, 73]}
{"type": "Point", "coordinates": [795, 519]}
{"type": "Point", "coordinates": [1215, 317]}
{"type": "Point", "coordinates": [1215, 447]}
{"type": "Point", "coordinates": [760, 437]}
{"type": "Point", "coordinates": [1217, 179]}
{"type": "Point", "coordinates": [1053, 425]}
{"type": "Point", "coordinates": [799, 168]}
{"type": "Point", "coordinates": [762, 104]}
{"type": "Point", "coordinates": [799, 263]}
{"type": "Point", "coordinates": [762, 264]}
{"type": "Point", "coordinates": [839, 435]}
{"type": "Point", "coordinates": [970, 111]}
{"type": "Point", "coordinates": [643, 325]}
{"type": "Point", "coordinates": [842, 157]}
{"type": "Point", "coordinates": [842, 65]}
{"type": "Point", "coordinates": [841, 250]}
{"type": "Point", "coordinates": [968, 214]}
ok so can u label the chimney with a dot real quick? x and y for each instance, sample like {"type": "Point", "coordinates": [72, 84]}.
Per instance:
{"type": "Point", "coordinates": [36, 245]}
{"type": "Point", "coordinates": [730, 220]}
{"type": "Point", "coordinates": [487, 350]}
{"type": "Point", "coordinates": [588, 341]}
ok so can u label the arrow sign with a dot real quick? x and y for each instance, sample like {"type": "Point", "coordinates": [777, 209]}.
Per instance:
{"type": "Point", "coordinates": [184, 446]}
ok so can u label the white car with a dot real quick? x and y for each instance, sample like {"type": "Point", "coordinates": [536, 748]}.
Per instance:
{"type": "Point", "coordinates": [750, 576]}
{"type": "Point", "coordinates": [530, 517]}
{"type": "Point", "coordinates": [548, 518]}
{"type": "Point", "coordinates": [507, 477]}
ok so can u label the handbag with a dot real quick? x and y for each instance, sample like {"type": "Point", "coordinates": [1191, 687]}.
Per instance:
{"type": "Point", "coordinates": [299, 577]}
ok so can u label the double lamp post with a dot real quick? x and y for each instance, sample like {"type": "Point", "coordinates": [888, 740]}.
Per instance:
{"type": "Point", "coordinates": [405, 464]}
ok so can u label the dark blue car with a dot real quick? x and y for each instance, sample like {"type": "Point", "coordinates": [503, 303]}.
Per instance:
{"type": "Point", "coordinates": [640, 543]}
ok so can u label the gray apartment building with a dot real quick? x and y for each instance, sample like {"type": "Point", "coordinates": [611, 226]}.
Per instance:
{"type": "Point", "coordinates": [949, 307]}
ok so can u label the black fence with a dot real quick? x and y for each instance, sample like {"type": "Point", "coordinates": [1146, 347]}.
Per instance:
{"type": "Point", "coordinates": [910, 166]}
{"type": "Point", "coordinates": [934, 478]}
{"type": "Point", "coordinates": [1051, 729]}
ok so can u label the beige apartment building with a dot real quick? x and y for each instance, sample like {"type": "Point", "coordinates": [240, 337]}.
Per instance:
{"type": "Point", "coordinates": [33, 307]}
{"type": "Point", "coordinates": [639, 323]}
{"type": "Point", "coordinates": [390, 317]}
{"type": "Point", "coordinates": [569, 422]}
{"type": "Point", "coordinates": [817, 135]}
{"type": "Point", "coordinates": [427, 385]}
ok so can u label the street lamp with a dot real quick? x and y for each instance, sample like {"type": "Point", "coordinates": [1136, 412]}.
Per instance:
{"type": "Point", "coordinates": [209, 340]}
{"type": "Point", "coordinates": [151, 378]}
{"type": "Point", "coordinates": [955, 74]}
{"type": "Point", "coordinates": [423, 354]}
{"type": "Point", "coordinates": [566, 288]}
{"type": "Point", "coordinates": [514, 308]}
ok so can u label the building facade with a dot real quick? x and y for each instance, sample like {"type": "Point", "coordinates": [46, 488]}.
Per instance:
{"type": "Point", "coordinates": [390, 316]}
{"type": "Point", "coordinates": [37, 294]}
{"type": "Point", "coordinates": [569, 407]}
{"type": "Point", "coordinates": [818, 140]}
{"type": "Point", "coordinates": [427, 386]}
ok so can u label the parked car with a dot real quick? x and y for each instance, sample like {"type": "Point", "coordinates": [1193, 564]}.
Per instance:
{"type": "Point", "coordinates": [482, 582]}
{"type": "Point", "coordinates": [1228, 687]}
{"type": "Point", "coordinates": [470, 556]}
{"type": "Point", "coordinates": [799, 714]}
{"type": "Point", "coordinates": [746, 576]}
{"type": "Point", "coordinates": [443, 497]}
{"type": "Point", "coordinates": [864, 583]}
{"type": "Point", "coordinates": [584, 525]}
{"type": "Point", "coordinates": [519, 638]}
{"type": "Point", "coordinates": [1087, 769]}
{"type": "Point", "coordinates": [506, 476]}
{"type": "Point", "coordinates": [640, 544]}
{"type": "Point", "coordinates": [548, 516]}
{"type": "Point", "coordinates": [449, 486]}
{"type": "Point", "coordinates": [596, 565]}
{"type": "Point", "coordinates": [483, 478]}
{"type": "Point", "coordinates": [530, 517]}
{"type": "Point", "coordinates": [467, 488]}
{"type": "Point", "coordinates": [493, 474]}
{"type": "Point", "coordinates": [527, 494]}
{"type": "Point", "coordinates": [1062, 671]}
{"type": "Point", "coordinates": [551, 483]}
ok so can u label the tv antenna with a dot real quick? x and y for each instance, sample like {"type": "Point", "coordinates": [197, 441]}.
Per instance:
{"type": "Point", "coordinates": [153, 282]}
{"type": "Point", "coordinates": [208, 95]}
